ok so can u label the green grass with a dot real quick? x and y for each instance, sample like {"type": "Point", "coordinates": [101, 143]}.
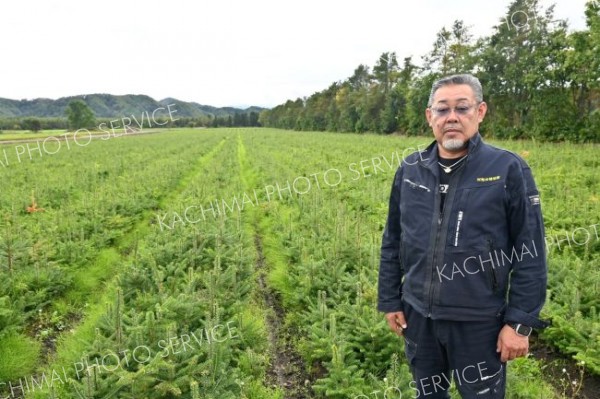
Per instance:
{"type": "Point", "coordinates": [20, 356]}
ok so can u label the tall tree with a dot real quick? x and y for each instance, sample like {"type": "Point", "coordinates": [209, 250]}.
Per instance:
{"type": "Point", "coordinates": [438, 60]}
{"type": "Point", "coordinates": [583, 68]}
{"type": "Point", "coordinates": [401, 93]}
{"type": "Point", "coordinates": [451, 51]}
{"type": "Point", "coordinates": [80, 115]}
{"type": "Point", "coordinates": [361, 77]}
{"type": "Point", "coordinates": [360, 83]}
{"type": "Point", "coordinates": [385, 71]}
{"type": "Point", "coordinates": [346, 104]}
{"type": "Point", "coordinates": [513, 66]}
{"type": "Point", "coordinates": [459, 54]}
{"type": "Point", "coordinates": [33, 124]}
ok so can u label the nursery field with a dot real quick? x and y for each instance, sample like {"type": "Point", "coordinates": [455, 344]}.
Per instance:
{"type": "Point", "coordinates": [242, 263]}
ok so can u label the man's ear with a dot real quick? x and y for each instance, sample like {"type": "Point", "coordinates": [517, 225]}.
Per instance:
{"type": "Point", "coordinates": [481, 111]}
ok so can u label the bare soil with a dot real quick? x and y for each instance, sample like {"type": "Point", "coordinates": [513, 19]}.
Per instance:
{"type": "Point", "coordinates": [287, 370]}
{"type": "Point", "coordinates": [587, 385]}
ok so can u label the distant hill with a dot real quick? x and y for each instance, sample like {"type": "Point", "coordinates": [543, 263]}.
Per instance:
{"type": "Point", "coordinates": [111, 106]}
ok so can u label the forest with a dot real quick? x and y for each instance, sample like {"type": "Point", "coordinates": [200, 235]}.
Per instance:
{"type": "Point", "coordinates": [540, 81]}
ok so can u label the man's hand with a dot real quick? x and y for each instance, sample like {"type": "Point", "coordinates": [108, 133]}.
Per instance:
{"type": "Point", "coordinates": [510, 345]}
{"type": "Point", "coordinates": [396, 322]}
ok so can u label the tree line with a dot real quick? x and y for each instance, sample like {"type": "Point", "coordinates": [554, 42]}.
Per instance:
{"type": "Point", "coordinates": [540, 81]}
{"type": "Point", "coordinates": [79, 115]}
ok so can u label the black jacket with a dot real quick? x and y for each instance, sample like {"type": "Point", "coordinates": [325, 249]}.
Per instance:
{"type": "Point", "coordinates": [457, 265]}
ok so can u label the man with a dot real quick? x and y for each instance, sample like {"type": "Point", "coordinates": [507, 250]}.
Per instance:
{"type": "Point", "coordinates": [463, 270]}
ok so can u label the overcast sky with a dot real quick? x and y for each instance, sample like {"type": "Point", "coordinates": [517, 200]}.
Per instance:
{"type": "Point", "coordinates": [221, 53]}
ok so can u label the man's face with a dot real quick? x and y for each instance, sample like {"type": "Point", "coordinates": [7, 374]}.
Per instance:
{"type": "Point", "coordinates": [455, 116]}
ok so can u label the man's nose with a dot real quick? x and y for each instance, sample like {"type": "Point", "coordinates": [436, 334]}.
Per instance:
{"type": "Point", "coordinates": [452, 117]}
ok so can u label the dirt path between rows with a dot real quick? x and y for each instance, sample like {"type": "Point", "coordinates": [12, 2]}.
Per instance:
{"type": "Point", "coordinates": [287, 369]}
{"type": "Point", "coordinates": [587, 385]}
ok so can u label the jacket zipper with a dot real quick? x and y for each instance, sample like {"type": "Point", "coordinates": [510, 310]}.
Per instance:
{"type": "Point", "coordinates": [437, 238]}
{"type": "Point", "coordinates": [447, 205]}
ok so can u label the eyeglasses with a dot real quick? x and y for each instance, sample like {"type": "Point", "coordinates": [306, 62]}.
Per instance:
{"type": "Point", "coordinates": [443, 111]}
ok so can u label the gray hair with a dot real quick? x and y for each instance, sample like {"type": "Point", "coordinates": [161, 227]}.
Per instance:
{"type": "Point", "coordinates": [463, 79]}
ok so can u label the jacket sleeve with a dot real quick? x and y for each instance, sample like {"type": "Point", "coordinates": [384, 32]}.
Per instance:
{"type": "Point", "coordinates": [390, 269]}
{"type": "Point", "coordinates": [527, 292]}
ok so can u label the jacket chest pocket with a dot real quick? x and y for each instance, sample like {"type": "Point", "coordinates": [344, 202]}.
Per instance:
{"type": "Point", "coordinates": [417, 196]}
{"type": "Point", "coordinates": [416, 209]}
{"type": "Point", "coordinates": [477, 214]}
